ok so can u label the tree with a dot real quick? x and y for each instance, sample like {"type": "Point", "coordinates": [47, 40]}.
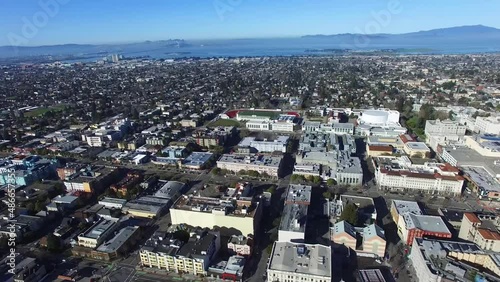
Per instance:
{"type": "Point", "coordinates": [316, 179]}
{"type": "Point", "coordinates": [53, 243]}
{"type": "Point", "coordinates": [350, 214]}
{"type": "Point", "coordinates": [330, 182]}
{"type": "Point", "coordinates": [216, 171]}
{"type": "Point", "coordinates": [181, 235]}
{"type": "Point", "coordinates": [271, 189]}
{"type": "Point", "coordinates": [276, 221]}
{"type": "Point", "coordinates": [327, 195]}
{"type": "Point", "coordinates": [253, 173]}
{"type": "Point", "coordinates": [39, 206]}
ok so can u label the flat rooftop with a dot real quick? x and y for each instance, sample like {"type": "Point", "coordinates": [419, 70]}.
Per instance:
{"type": "Point", "coordinates": [294, 218]}
{"type": "Point", "coordinates": [228, 207]}
{"type": "Point", "coordinates": [482, 178]}
{"type": "Point", "coordinates": [467, 157]}
{"type": "Point", "coordinates": [117, 241]}
{"type": "Point", "coordinates": [258, 160]}
{"type": "Point", "coordinates": [371, 275]}
{"type": "Point", "coordinates": [417, 146]}
{"type": "Point", "coordinates": [197, 158]}
{"type": "Point", "coordinates": [99, 228]}
{"type": "Point", "coordinates": [169, 190]}
{"type": "Point", "coordinates": [426, 222]}
{"type": "Point", "coordinates": [403, 207]}
{"type": "Point", "coordinates": [301, 258]}
{"type": "Point", "coordinates": [297, 193]}
{"type": "Point", "coordinates": [113, 201]}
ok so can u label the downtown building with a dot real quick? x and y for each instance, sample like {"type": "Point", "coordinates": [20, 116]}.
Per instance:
{"type": "Point", "coordinates": [162, 251]}
{"type": "Point", "coordinates": [259, 163]}
{"type": "Point", "coordinates": [399, 173]}
{"type": "Point", "coordinates": [412, 223]}
{"type": "Point", "coordinates": [292, 262]}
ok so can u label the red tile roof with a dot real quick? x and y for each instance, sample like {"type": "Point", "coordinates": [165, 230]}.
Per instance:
{"type": "Point", "coordinates": [488, 234]}
{"type": "Point", "coordinates": [472, 217]}
{"type": "Point", "coordinates": [380, 148]}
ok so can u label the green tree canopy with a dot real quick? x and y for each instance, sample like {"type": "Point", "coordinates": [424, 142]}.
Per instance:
{"type": "Point", "coordinates": [350, 214]}
{"type": "Point", "coordinates": [53, 243]}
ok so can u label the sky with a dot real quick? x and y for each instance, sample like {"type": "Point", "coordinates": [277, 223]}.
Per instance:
{"type": "Point", "coordinates": [47, 22]}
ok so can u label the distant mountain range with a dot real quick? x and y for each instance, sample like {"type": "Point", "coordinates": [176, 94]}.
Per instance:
{"type": "Point", "coordinates": [464, 39]}
{"type": "Point", "coordinates": [471, 31]}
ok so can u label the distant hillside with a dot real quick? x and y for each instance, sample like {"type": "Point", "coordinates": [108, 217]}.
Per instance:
{"type": "Point", "coordinates": [89, 49]}
{"type": "Point", "coordinates": [473, 31]}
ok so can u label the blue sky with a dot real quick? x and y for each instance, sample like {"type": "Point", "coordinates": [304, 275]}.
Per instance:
{"type": "Point", "coordinates": [114, 21]}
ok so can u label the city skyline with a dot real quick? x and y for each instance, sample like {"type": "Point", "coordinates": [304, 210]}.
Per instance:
{"type": "Point", "coordinates": [54, 22]}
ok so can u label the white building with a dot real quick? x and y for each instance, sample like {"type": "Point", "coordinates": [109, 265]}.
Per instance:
{"type": "Point", "coordinates": [269, 146]}
{"type": "Point", "coordinates": [258, 125]}
{"type": "Point", "coordinates": [112, 203]}
{"type": "Point", "coordinates": [291, 262]}
{"type": "Point", "coordinates": [401, 174]}
{"type": "Point", "coordinates": [444, 128]}
{"type": "Point", "coordinates": [242, 215]}
{"type": "Point", "coordinates": [259, 163]}
{"type": "Point", "coordinates": [163, 252]}
{"type": "Point", "coordinates": [488, 125]}
{"type": "Point", "coordinates": [381, 122]}
{"type": "Point", "coordinates": [94, 141]}
{"type": "Point", "coordinates": [282, 126]}
{"type": "Point", "coordinates": [96, 234]}
{"type": "Point", "coordinates": [381, 117]}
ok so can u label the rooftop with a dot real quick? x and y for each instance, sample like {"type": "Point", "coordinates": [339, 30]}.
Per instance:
{"type": "Point", "coordinates": [427, 223]}
{"type": "Point", "coordinates": [294, 218]}
{"type": "Point", "coordinates": [467, 157]}
{"type": "Point", "coordinates": [258, 160]}
{"type": "Point", "coordinates": [301, 258]}
{"type": "Point", "coordinates": [229, 207]}
{"type": "Point", "coordinates": [197, 158]}
{"type": "Point", "coordinates": [421, 146]}
{"type": "Point", "coordinates": [169, 190]}
{"type": "Point", "coordinates": [99, 228]}
{"type": "Point", "coordinates": [344, 227]}
{"type": "Point", "coordinates": [118, 240]}
{"type": "Point", "coordinates": [373, 230]}
{"type": "Point", "coordinates": [235, 265]}
{"type": "Point", "coordinates": [113, 200]}
{"type": "Point", "coordinates": [300, 194]}
{"type": "Point", "coordinates": [482, 178]}
{"type": "Point", "coordinates": [403, 207]}
{"type": "Point", "coordinates": [371, 275]}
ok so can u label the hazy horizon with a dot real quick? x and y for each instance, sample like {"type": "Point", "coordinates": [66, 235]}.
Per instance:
{"type": "Point", "coordinates": [57, 22]}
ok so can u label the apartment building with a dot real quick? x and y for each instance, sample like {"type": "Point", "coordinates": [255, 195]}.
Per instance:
{"type": "Point", "coordinates": [164, 252]}
{"type": "Point", "coordinates": [90, 179]}
{"type": "Point", "coordinates": [240, 245]}
{"type": "Point", "coordinates": [481, 229]}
